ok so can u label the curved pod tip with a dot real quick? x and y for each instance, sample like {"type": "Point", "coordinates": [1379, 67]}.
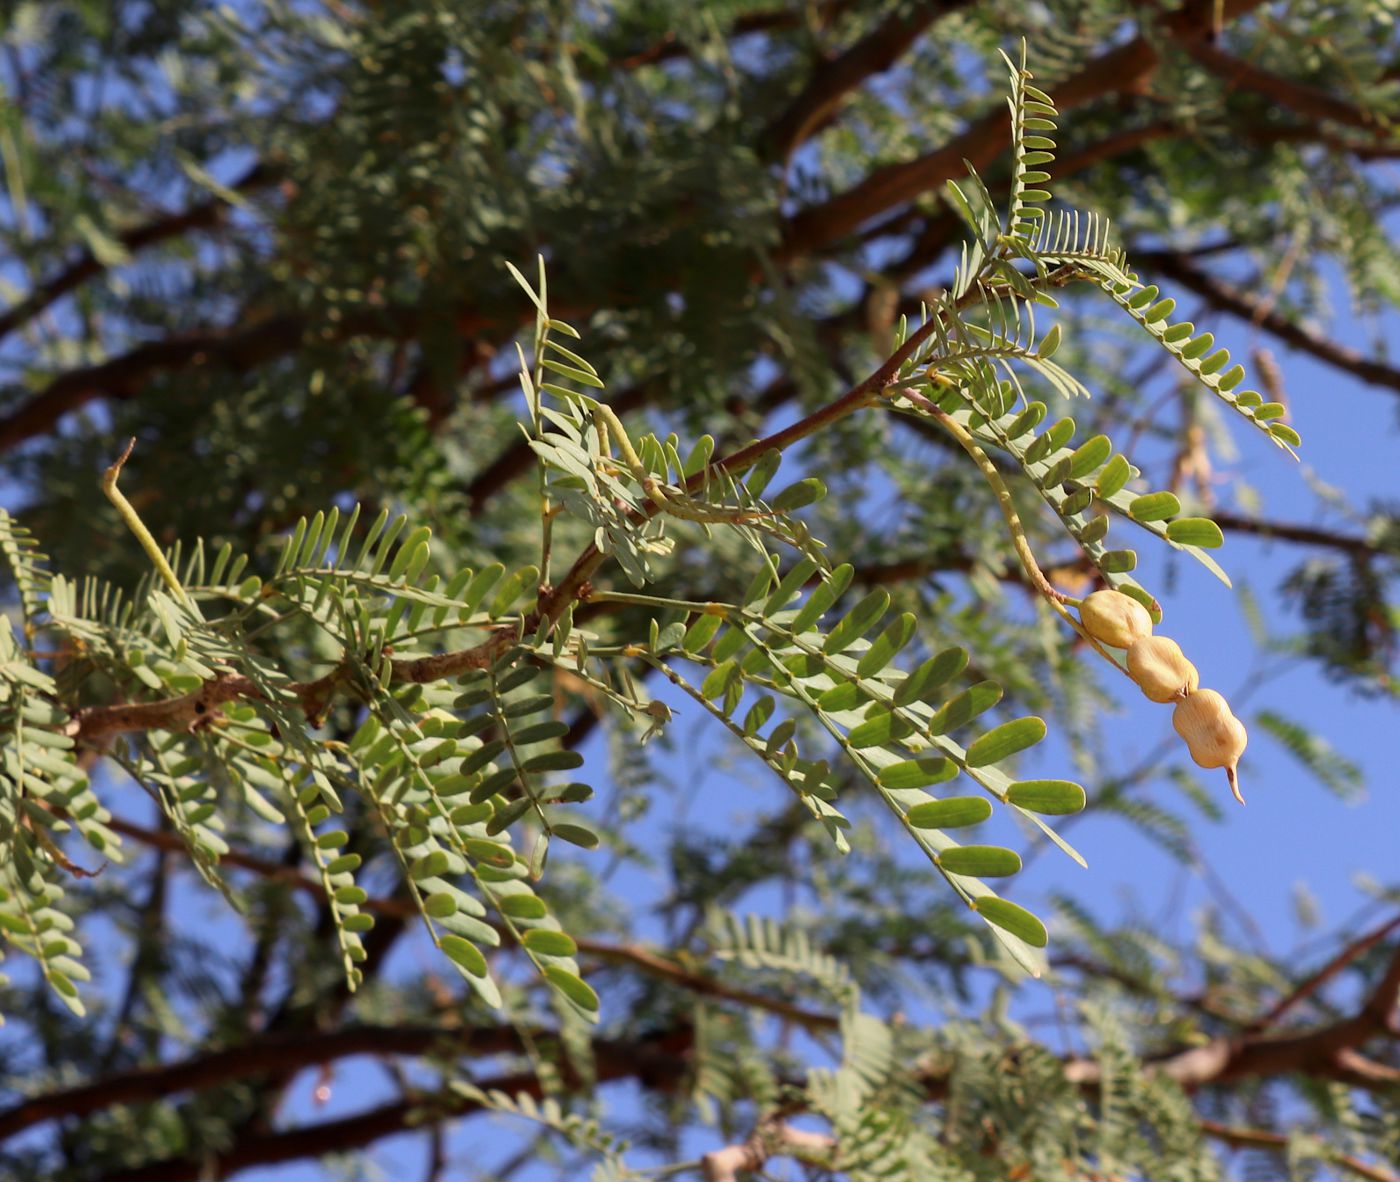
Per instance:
{"type": "Point", "coordinates": [1214, 736]}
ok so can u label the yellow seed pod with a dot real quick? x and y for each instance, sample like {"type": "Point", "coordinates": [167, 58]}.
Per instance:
{"type": "Point", "coordinates": [1214, 736]}
{"type": "Point", "coordinates": [1161, 669]}
{"type": "Point", "coordinates": [1115, 619]}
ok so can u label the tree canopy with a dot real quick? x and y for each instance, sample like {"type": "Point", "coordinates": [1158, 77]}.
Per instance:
{"type": "Point", "coordinates": [562, 557]}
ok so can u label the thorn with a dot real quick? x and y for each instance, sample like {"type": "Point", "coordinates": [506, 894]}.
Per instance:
{"type": "Point", "coordinates": [109, 479]}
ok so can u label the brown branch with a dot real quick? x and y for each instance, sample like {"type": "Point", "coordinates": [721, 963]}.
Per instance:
{"type": "Point", "coordinates": [670, 46]}
{"type": "Point", "coordinates": [634, 955]}
{"type": "Point", "coordinates": [833, 80]}
{"type": "Point", "coordinates": [1119, 71]}
{"type": "Point", "coordinates": [126, 375]}
{"type": "Point", "coordinates": [1329, 1052]}
{"type": "Point", "coordinates": [1286, 531]}
{"type": "Point", "coordinates": [1243, 1138]}
{"type": "Point", "coordinates": [657, 1063]}
{"type": "Point", "coordinates": [93, 724]}
{"type": "Point", "coordinates": [770, 1140]}
{"type": "Point", "coordinates": [1305, 100]}
{"type": "Point", "coordinates": [123, 377]}
{"type": "Point", "coordinates": [705, 985]}
{"type": "Point", "coordinates": [265, 1056]}
{"type": "Point", "coordinates": [893, 185]}
{"type": "Point", "coordinates": [1246, 305]}
{"type": "Point", "coordinates": [201, 216]}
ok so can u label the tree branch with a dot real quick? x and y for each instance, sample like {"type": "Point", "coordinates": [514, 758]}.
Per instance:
{"type": "Point", "coordinates": [670, 46]}
{"type": "Point", "coordinates": [770, 1140]}
{"type": "Point", "coordinates": [125, 376]}
{"type": "Point", "coordinates": [1119, 71]}
{"type": "Point", "coordinates": [1304, 535]}
{"type": "Point", "coordinates": [203, 215]}
{"type": "Point", "coordinates": [1329, 1052]}
{"type": "Point", "coordinates": [833, 80]}
{"type": "Point", "coordinates": [1313, 983]}
{"type": "Point", "coordinates": [657, 1063]}
{"type": "Point", "coordinates": [264, 1056]}
{"type": "Point", "coordinates": [1305, 100]}
{"type": "Point", "coordinates": [1244, 1138]}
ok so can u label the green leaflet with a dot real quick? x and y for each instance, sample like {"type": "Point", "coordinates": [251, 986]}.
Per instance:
{"type": "Point", "coordinates": [918, 773]}
{"type": "Point", "coordinates": [1016, 920]}
{"type": "Point", "coordinates": [980, 861]}
{"type": "Point", "coordinates": [931, 675]}
{"type": "Point", "coordinates": [1196, 531]}
{"type": "Point", "coordinates": [952, 813]}
{"type": "Point", "coordinates": [464, 954]}
{"type": "Point", "coordinates": [1051, 797]}
{"type": "Point", "coordinates": [887, 645]}
{"type": "Point", "coordinates": [1006, 740]}
{"type": "Point", "coordinates": [857, 622]}
{"type": "Point", "coordinates": [1154, 507]}
{"type": "Point", "coordinates": [963, 708]}
{"type": "Point", "coordinates": [572, 986]}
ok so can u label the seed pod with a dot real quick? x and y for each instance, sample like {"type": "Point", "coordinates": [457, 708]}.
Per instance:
{"type": "Point", "coordinates": [1214, 736]}
{"type": "Point", "coordinates": [1115, 619]}
{"type": "Point", "coordinates": [1161, 669]}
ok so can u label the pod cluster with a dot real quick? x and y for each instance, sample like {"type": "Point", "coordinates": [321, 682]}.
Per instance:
{"type": "Point", "coordinates": [1202, 717]}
